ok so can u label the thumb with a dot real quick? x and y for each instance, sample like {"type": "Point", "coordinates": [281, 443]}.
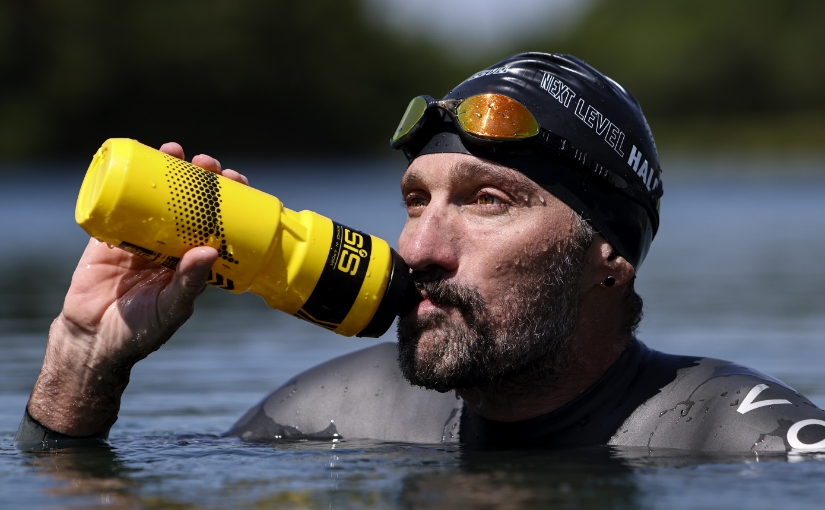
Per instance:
{"type": "Point", "coordinates": [189, 281]}
{"type": "Point", "coordinates": [193, 270]}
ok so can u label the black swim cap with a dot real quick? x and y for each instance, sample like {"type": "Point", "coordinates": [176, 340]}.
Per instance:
{"type": "Point", "coordinates": [597, 116]}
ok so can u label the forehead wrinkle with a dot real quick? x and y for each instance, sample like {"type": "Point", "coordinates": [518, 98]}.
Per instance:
{"type": "Point", "coordinates": [478, 170]}
{"type": "Point", "coordinates": [497, 175]}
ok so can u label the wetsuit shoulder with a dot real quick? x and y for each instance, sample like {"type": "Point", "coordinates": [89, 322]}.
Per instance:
{"type": "Point", "coordinates": [359, 395]}
{"type": "Point", "coordinates": [716, 405]}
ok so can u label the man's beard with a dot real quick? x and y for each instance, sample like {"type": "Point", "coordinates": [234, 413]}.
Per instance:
{"type": "Point", "coordinates": [529, 332]}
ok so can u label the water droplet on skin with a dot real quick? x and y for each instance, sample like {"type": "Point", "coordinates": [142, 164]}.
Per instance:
{"type": "Point", "coordinates": [88, 266]}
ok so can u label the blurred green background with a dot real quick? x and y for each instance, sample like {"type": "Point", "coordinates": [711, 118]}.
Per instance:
{"type": "Point", "coordinates": [327, 77]}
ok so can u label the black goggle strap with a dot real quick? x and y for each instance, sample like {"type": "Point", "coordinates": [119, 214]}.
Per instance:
{"type": "Point", "coordinates": [589, 167]}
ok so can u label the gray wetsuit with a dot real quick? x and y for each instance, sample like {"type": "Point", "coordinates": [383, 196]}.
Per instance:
{"type": "Point", "coordinates": [647, 398]}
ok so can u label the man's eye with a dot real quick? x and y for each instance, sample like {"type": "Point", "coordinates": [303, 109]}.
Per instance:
{"type": "Point", "coordinates": [488, 200]}
{"type": "Point", "coordinates": [416, 202]}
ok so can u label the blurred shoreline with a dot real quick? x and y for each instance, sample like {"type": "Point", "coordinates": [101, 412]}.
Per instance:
{"type": "Point", "coordinates": [331, 78]}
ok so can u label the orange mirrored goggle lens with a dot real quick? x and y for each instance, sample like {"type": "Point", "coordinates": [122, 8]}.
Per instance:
{"type": "Point", "coordinates": [496, 117]}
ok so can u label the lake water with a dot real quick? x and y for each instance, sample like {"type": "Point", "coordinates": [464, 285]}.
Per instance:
{"type": "Point", "coordinates": [734, 273]}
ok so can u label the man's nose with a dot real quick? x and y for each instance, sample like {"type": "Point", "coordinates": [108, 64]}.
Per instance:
{"type": "Point", "coordinates": [429, 242]}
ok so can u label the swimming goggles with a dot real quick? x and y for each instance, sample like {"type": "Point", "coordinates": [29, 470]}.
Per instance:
{"type": "Point", "coordinates": [497, 120]}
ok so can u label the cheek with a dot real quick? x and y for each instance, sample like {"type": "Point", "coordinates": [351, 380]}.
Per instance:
{"type": "Point", "coordinates": [501, 262]}
{"type": "Point", "coordinates": [505, 258]}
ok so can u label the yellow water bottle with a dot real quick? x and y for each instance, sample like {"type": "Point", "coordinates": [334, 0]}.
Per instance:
{"type": "Point", "coordinates": [157, 206]}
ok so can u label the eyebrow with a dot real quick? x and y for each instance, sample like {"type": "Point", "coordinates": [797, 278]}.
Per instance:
{"type": "Point", "coordinates": [500, 176]}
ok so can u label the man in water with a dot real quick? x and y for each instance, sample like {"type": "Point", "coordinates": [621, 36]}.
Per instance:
{"type": "Point", "coordinates": [532, 197]}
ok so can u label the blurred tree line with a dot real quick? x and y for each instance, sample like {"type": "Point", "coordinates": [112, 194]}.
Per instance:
{"type": "Point", "coordinates": [259, 77]}
{"type": "Point", "coordinates": [242, 76]}
{"type": "Point", "coordinates": [712, 74]}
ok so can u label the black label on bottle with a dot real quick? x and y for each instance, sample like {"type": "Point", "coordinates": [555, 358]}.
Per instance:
{"type": "Point", "coordinates": [341, 279]}
{"type": "Point", "coordinates": [215, 279]}
{"type": "Point", "coordinates": [158, 258]}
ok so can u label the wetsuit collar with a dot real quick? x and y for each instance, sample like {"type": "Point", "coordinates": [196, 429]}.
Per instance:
{"type": "Point", "coordinates": [590, 418]}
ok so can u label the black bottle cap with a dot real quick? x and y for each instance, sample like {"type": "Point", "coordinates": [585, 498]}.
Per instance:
{"type": "Point", "coordinates": [400, 297]}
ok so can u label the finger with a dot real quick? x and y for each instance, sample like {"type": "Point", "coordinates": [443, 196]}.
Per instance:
{"type": "Point", "coordinates": [194, 267]}
{"type": "Point", "coordinates": [173, 149]}
{"type": "Point", "coordinates": [189, 281]}
{"type": "Point", "coordinates": [235, 176]}
{"type": "Point", "coordinates": [207, 163]}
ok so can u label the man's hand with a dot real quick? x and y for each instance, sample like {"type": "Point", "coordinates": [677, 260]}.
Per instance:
{"type": "Point", "coordinates": [118, 310]}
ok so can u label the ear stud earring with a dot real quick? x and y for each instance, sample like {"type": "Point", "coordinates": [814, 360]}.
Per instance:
{"type": "Point", "coordinates": [609, 281]}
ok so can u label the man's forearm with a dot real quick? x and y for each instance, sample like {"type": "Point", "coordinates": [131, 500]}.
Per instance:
{"type": "Point", "coordinates": [78, 391]}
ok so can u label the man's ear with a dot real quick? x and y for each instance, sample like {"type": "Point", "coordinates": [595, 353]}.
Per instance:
{"type": "Point", "coordinates": [605, 267]}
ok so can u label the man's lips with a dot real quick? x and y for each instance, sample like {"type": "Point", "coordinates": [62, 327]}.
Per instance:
{"type": "Point", "coordinates": [427, 305]}
{"type": "Point", "coordinates": [439, 297]}
{"type": "Point", "coordinates": [424, 307]}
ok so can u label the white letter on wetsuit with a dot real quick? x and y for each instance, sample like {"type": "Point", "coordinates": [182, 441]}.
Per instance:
{"type": "Point", "coordinates": [793, 435]}
{"type": "Point", "coordinates": [749, 405]}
